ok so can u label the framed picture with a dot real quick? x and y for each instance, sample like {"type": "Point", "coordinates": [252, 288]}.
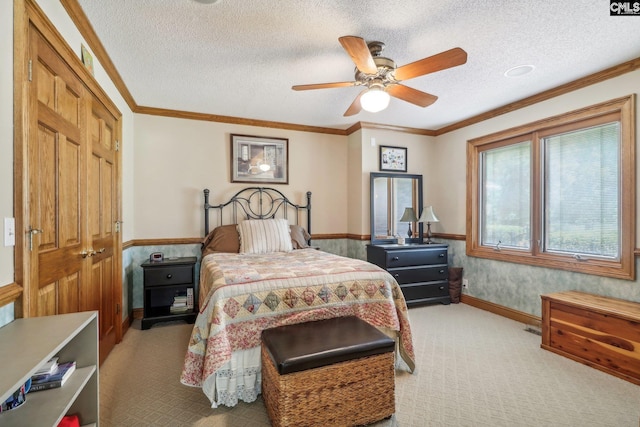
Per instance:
{"type": "Point", "coordinates": [393, 159]}
{"type": "Point", "coordinates": [87, 59]}
{"type": "Point", "coordinates": [261, 160]}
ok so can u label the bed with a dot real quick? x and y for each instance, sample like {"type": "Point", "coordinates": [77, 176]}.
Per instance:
{"type": "Point", "coordinates": [259, 272]}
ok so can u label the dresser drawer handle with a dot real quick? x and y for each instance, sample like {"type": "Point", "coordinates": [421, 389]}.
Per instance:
{"type": "Point", "coordinates": [441, 271]}
{"type": "Point", "coordinates": [169, 276]}
{"type": "Point", "coordinates": [396, 275]}
{"type": "Point", "coordinates": [395, 258]}
{"type": "Point", "coordinates": [441, 288]}
{"type": "Point", "coordinates": [441, 255]}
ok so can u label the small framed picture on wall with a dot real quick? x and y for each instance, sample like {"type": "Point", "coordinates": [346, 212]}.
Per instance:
{"type": "Point", "coordinates": [393, 159]}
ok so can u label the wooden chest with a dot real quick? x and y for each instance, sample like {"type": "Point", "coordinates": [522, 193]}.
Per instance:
{"type": "Point", "coordinates": [600, 332]}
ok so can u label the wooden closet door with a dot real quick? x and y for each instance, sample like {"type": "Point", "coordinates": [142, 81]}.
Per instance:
{"type": "Point", "coordinates": [72, 197]}
{"type": "Point", "coordinates": [57, 239]}
{"type": "Point", "coordinates": [103, 211]}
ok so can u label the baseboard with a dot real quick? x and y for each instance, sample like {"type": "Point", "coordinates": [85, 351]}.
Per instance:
{"type": "Point", "coordinates": [518, 316]}
{"type": "Point", "coordinates": [126, 324]}
{"type": "Point", "coordinates": [138, 313]}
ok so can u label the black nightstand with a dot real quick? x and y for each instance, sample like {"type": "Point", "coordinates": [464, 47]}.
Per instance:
{"type": "Point", "coordinates": [166, 283]}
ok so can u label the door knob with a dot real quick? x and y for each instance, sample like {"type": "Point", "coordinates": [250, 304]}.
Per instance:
{"type": "Point", "coordinates": [32, 231]}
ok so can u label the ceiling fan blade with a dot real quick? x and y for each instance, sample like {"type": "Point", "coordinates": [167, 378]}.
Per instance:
{"type": "Point", "coordinates": [355, 106]}
{"type": "Point", "coordinates": [441, 61]}
{"type": "Point", "coordinates": [411, 95]}
{"type": "Point", "coordinates": [323, 85]}
{"type": "Point", "coordinates": [359, 52]}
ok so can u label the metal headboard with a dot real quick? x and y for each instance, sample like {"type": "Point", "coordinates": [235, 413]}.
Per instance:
{"type": "Point", "coordinates": [258, 203]}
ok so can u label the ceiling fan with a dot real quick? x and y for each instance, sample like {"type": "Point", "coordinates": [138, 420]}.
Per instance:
{"type": "Point", "coordinates": [382, 78]}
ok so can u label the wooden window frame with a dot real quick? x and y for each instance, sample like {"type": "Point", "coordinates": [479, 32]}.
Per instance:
{"type": "Point", "coordinates": [622, 109]}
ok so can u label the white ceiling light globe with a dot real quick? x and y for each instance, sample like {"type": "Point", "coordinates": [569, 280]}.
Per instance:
{"type": "Point", "coordinates": [375, 99]}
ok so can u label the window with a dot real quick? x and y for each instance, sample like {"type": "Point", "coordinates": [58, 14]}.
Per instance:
{"type": "Point", "coordinates": [557, 193]}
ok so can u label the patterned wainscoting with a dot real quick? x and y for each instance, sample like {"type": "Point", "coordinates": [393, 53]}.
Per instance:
{"type": "Point", "coordinates": [6, 314]}
{"type": "Point", "coordinates": [519, 286]}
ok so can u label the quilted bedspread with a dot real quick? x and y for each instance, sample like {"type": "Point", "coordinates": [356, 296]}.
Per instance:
{"type": "Point", "coordinates": [243, 294]}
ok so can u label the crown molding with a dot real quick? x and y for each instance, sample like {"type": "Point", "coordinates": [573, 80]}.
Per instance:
{"type": "Point", "coordinates": [591, 79]}
{"type": "Point", "coordinates": [236, 120]}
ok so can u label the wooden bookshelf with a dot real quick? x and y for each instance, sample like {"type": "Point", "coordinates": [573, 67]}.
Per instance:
{"type": "Point", "coordinates": [25, 344]}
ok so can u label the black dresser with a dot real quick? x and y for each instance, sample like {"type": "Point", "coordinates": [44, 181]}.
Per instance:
{"type": "Point", "coordinates": [421, 270]}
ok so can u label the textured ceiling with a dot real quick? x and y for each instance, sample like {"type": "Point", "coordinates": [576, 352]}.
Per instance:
{"type": "Point", "coordinates": [240, 58]}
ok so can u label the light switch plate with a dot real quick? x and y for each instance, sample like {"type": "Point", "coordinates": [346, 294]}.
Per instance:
{"type": "Point", "coordinates": [9, 231]}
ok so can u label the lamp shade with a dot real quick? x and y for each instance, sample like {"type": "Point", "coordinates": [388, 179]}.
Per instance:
{"type": "Point", "coordinates": [428, 215]}
{"type": "Point", "coordinates": [408, 215]}
{"type": "Point", "coordinates": [375, 99]}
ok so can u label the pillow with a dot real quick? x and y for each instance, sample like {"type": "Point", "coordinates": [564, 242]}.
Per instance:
{"type": "Point", "coordinates": [263, 236]}
{"type": "Point", "coordinates": [299, 237]}
{"type": "Point", "coordinates": [224, 238]}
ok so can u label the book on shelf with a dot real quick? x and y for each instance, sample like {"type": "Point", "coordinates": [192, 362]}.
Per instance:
{"type": "Point", "coordinates": [48, 367]}
{"type": "Point", "coordinates": [54, 380]}
{"type": "Point", "coordinates": [181, 303]}
{"type": "Point", "coordinates": [179, 309]}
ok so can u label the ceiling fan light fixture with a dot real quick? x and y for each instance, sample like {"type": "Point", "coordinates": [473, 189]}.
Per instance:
{"type": "Point", "coordinates": [375, 99]}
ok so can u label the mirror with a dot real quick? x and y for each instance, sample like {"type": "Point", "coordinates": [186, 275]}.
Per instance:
{"type": "Point", "coordinates": [391, 193]}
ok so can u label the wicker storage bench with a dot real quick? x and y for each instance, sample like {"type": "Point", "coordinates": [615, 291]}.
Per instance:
{"type": "Point", "coordinates": [334, 372]}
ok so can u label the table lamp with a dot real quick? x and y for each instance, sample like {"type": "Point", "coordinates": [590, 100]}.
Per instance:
{"type": "Point", "coordinates": [428, 216]}
{"type": "Point", "coordinates": [409, 216]}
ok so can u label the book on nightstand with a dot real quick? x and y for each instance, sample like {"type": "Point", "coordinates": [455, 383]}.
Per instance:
{"type": "Point", "coordinates": [54, 380]}
{"type": "Point", "coordinates": [182, 303]}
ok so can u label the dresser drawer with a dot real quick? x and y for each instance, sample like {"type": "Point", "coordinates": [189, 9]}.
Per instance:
{"type": "Point", "coordinates": [173, 275]}
{"type": "Point", "coordinates": [418, 292]}
{"type": "Point", "coordinates": [415, 257]}
{"type": "Point", "coordinates": [419, 274]}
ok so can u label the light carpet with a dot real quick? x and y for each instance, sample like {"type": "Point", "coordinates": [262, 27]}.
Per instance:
{"type": "Point", "coordinates": [474, 368]}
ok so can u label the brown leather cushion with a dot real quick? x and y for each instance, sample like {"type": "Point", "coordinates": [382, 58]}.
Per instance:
{"type": "Point", "coordinates": [310, 345]}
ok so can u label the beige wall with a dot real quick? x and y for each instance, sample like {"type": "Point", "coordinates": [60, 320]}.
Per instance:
{"type": "Point", "coordinates": [419, 159]}
{"type": "Point", "coordinates": [449, 172]}
{"type": "Point", "coordinates": [175, 159]}
{"type": "Point", "coordinates": [6, 135]}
